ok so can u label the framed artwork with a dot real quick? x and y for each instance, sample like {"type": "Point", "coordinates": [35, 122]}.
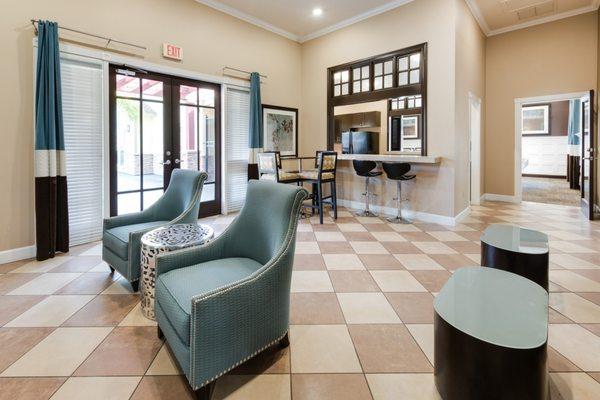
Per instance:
{"type": "Point", "coordinates": [410, 127]}
{"type": "Point", "coordinates": [535, 120]}
{"type": "Point", "coordinates": [280, 129]}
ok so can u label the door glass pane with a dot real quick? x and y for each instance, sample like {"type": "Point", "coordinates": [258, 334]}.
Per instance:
{"type": "Point", "coordinates": [151, 196]}
{"type": "Point", "coordinates": [378, 69]}
{"type": "Point", "coordinates": [188, 137]}
{"type": "Point", "coordinates": [402, 78]}
{"type": "Point", "coordinates": [388, 82]}
{"type": "Point", "coordinates": [206, 97]}
{"type": "Point", "coordinates": [128, 144]}
{"type": "Point", "coordinates": [388, 67]}
{"type": "Point", "coordinates": [356, 87]}
{"type": "Point", "coordinates": [152, 156]}
{"type": "Point", "coordinates": [188, 95]}
{"type": "Point", "coordinates": [365, 71]}
{"type": "Point", "coordinates": [128, 203]}
{"type": "Point", "coordinates": [415, 60]}
{"type": "Point", "coordinates": [414, 76]}
{"type": "Point", "coordinates": [403, 64]}
{"type": "Point", "coordinates": [128, 86]}
{"type": "Point", "coordinates": [585, 143]}
{"type": "Point", "coordinates": [208, 192]}
{"type": "Point", "coordinates": [152, 90]}
{"type": "Point", "coordinates": [377, 83]}
{"type": "Point", "coordinates": [207, 142]}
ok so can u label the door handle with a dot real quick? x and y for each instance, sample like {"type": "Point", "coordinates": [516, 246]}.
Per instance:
{"type": "Point", "coordinates": [177, 161]}
{"type": "Point", "coordinates": [168, 162]}
{"type": "Point", "coordinates": [589, 158]}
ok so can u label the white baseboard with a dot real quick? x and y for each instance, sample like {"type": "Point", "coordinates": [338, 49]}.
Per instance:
{"type": "Point", "coordinates": [421, 216]}
{"type": "Point", "coordinates": [21, 253]}
{"type": "Point", "coordinates": [462, 215]}
{"type": "Point", "coordinates": [500, 197]}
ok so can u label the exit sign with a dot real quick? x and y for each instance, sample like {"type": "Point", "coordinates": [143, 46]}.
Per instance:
{"type": "Point", "coordinates": [173, 52]}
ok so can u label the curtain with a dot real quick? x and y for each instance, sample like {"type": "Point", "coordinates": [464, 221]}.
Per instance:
{"type": "Point", "coordinates": [574, 128]}
{"type": "Point", "coordinates": [51, 210]}
{"type": "Point", "coordinates": [255, 137]}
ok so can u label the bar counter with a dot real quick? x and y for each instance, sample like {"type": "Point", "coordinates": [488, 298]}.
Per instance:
{"type": "Point", "coordinates": [406, 158]}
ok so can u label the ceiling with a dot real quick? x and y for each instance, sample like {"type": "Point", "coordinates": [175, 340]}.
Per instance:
{"type": "Point", "coordinates": [294, 20]}
{"type": "Point", "coordinates": [499, 16]}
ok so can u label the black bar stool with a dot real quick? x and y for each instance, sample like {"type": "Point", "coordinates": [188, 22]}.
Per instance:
{"type": "Point", "coordinates": [365, 168]}
{"type": "Point", "coordinates": [398, 172]}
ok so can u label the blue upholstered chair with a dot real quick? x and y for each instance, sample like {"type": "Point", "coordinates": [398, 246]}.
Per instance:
{"type": "Point", "coordinates": [222, 303]}
{"type": "Point", "coordinates": [121, 235]}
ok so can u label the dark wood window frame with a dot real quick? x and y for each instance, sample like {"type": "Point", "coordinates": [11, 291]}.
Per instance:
{"type": "Point", "coordinates": [379, 94]}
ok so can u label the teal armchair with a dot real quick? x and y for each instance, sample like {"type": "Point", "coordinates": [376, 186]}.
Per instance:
{"type": "Point", "coordinates": [121, 235]}
{"type": "Point", "coordinates": [222, 303]}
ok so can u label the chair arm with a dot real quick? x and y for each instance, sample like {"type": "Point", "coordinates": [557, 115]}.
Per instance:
{"type": "Point", "coordinates": [126, 219]}
{"type": "Point", "coordinates": [213, 250]}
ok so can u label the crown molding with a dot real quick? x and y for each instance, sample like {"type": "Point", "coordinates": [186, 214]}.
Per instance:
{"type": "Point", "coordinates": [479, 16]}
{"type": "Point", "coordinates": [217, 5]}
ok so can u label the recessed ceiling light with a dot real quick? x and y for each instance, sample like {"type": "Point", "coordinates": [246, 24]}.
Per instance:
{"type": "Point", "coordinates": [317, 12]}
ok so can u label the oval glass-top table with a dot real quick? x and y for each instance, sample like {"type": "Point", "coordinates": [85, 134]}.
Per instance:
{"type": "Point", "coordinates": [522, 251]}
{"type": "Point", "coordinates": [161, 240]}
{"type": "Point", "coordinates": [490, 336]}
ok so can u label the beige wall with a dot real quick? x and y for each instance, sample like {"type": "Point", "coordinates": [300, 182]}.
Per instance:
{"type": "Point", "coordinates": [416, 22]}
{"type": "Point", "coordinates": [470, 78]}
{"type": "Point", "coordinates": [552, 58]}
{"type": "Point", "coordinates": [210, 40]}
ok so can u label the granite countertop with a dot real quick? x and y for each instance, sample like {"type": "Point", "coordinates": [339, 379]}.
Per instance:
{"type": "Point", "coordinates": [416, 159]}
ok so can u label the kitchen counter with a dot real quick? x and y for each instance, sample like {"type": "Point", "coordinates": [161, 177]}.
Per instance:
{"type": "Point", "coordinates": [391, 158]}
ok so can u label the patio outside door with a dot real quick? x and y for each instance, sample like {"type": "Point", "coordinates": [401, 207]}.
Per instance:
{"type": "Point", "coordinates": [158, 123]}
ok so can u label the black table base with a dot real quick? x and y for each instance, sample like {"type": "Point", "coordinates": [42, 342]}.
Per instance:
{"type": "Point", "coordinates": [467, 368]}
{"type": "Point", "coordinates": [531, 266]}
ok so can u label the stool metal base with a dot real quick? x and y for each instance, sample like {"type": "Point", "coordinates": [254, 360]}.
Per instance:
{"type": "Point", "coordinates": [399, 220]}
{"type": "Point", "coordinates": [366, 213]}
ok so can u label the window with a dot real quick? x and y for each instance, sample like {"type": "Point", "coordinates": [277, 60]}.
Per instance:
{"type": "Point", "coordinates": [535, 120]}
{"type": "Point", "coordinates": [409, 69]}
{"type": "Point", "coordinates": [404, 102]}
{"type": "Point", "coordinates": [341, 83]}
{"type": "Point", "coordinates": [383, 73]}
{"type": "Point", "coordinates": [237, 126]}
{"type": "Point", "coordinates": [360, 79]}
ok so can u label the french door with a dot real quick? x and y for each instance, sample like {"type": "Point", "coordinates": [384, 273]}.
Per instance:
{"type": "Point", "coordinates": [589, 199]}
{"type": "Point", "coordinates": [159, 123]}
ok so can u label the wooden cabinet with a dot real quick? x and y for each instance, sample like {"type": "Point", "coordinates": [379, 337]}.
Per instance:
{"type": "Point", "coordinates": [346, 122]}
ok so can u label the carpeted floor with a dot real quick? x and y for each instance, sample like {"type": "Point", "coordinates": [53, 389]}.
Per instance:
{"type": "Point", "coordinates": [550, 190]}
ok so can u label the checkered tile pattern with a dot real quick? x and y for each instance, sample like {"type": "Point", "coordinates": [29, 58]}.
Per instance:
{"type": "Point", "coordinates": [361, 317]}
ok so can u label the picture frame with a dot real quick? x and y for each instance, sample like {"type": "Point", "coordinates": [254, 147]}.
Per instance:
{"type": "Point", "coordinates": [535, 120]}
{"type": "Point", "coordinates": [409, 128]}
{"type": "Point", "coordinates": [280, 130]}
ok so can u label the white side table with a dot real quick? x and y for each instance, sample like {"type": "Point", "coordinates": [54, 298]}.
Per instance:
{"type": "Point", "coordinates": [161, 240]}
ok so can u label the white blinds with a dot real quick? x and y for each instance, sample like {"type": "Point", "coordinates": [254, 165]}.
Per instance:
{"type": "Point", "coordinates": [82, 116]}
{"type": "Point", "coordinates": [237, 122]}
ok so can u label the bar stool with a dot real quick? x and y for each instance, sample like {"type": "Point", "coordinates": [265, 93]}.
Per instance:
{"type": "Point", "coordinates": [365, 168]}
{"type": "Point", "coordinates": [398, 172]}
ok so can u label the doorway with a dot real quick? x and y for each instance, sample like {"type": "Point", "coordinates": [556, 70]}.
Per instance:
{"type": "Point", "coordinates": [159, 123]}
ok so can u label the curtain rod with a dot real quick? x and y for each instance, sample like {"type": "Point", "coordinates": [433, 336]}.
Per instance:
{"type": "Point", "coordinates": [109, 40]}
{"type": "Point", "coordinates": [242, 71]}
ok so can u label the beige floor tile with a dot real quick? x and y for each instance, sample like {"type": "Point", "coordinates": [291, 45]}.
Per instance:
{"type": "Point", "coordinates": [9, 282]}
{"type": "Point", "coordinates": [253, 387]}
{"type": "Point", "coordinates": [559, 363]}
{"type": "Point", "coordinates": [308, 262]}
{"type": "Point", "coordinates": [418, 261]}
{"type": "Point", "coordinates": [164, 363]}
{"type": "Point", "coordinates": [335, 248]}
{"type": "Point", "coordinates": [13, 306]}
{"type": "Point", "coordinates": [98, 388]}
{"type": "Point", "coordinates": [307, 248]}
{"type": "Point", "coordinates": [273, 360]}
{"type": "Point", "coordinates": [315, 309]}
{"type": "Point", "coordinates": [403, 386]}
{"type": "Point", "coordinates": [45, 284]}
{"type": "Point", "coordinates": [29, 388]}
{"type": "Point", "coordinates": [330, 386]}
{"type": "Point", "coordinates": [573, 281]}
{"type": "Point", "coordinates": [311, 281]}
{"type": "Point", "coordinates": [575, 307]}
{"type": "Point", "coordinates": [353, 281]}
{"type": "Point", "coordinates": [322, 349]}
{"type": "Point", "coordinates": [136, 318]}
{"type": "Point", "coordinates": [105, 310]}
{"type": "Point", "coordinates": [577, 344]}
{"type": "Point", "coordinates": [330, 237]}
{"type": "Point", "coordinates": [566, 235]}
{"type": "Point", "coordinates": [93, 251]}
{"type": "Point", "coordinates": [397, 281]}
{"type": "Point", "coordinates": [434, 248]}
{"type": "Point", "coordinates": [52, 311]}
{"type": "Point", "coordinates": [42, 266]}
{"type": "Point", "coordinates": [447, 236]}
{"type": "Point", "coordinates": [388, 237]}
{"type": "Point", "coordinates": [380, 261]}
{"type": "Point", "coordinates": [423, 335]}
{"type": "Point", "coordinates": [101, 267]}
{"type": "Point", "coordinates": [121, 286]}
{"type": "Point", "coordinates": [569, 247]}
{"type": "Point", "coordinates": [367, 308]}
{"type": "Point", "coordinates": [59, 354]}
{"type": "Point", "coordinates": [89, 283]}
{"type": "Point", "coordinates": [352, 228]}
{"type": "Point", "coordinates": [368, 248]}
{"type": "Point", "coordinates": [571, 262]}
{"type": "Point", "coordinates": [78, 264]}
{"type": "Point", "coordinates": [404, 228]}
{"type": "Point", "coordinates": [163, 388]}
{"type": "Point", "coordinates": [369, 220]}
{"type": "Point", "coordinates": [15, 342]}
{"type": "Point", "coordinates": [412, 308]}
{"type": "Point", "coordinates": [305, 228]}
{"type": "Point", "coordinates": [343, 262]}
{"type": "Point", "coordinates": [576, 386]}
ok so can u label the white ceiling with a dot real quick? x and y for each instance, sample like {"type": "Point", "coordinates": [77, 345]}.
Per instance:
{"type": "Point", "coordinates": [499, 16]}
{"type": "Point", "coordinates": [294, 20]}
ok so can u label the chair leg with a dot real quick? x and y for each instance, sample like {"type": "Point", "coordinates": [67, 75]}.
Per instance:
{"type": "Point", "coordinates": [320, 195]}
{"type": "Point", "coordinates": [334, 199]}
{"type": "Point", "coordinates": [314, 200]}
{"type": "Point", "coordinates": [160, 333]}
{"type": "Point", "coordinates": [136, 286]}
{"type": "Point", "coordinates": [205, 392]}
{"type": "Point", "coordinates": [367, 212]}
{"type": "Point", "coordinates": [398, 219]}
{"type": "Point", "coordinates": [284, 341]}
{"type": "Point", "coordinates": [112, 270]}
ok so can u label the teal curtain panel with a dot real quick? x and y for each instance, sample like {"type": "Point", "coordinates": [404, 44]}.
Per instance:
{"type": "Point", "coordinates": [256, 141]}
{"type": "Point", "coordinates": [51, 208]}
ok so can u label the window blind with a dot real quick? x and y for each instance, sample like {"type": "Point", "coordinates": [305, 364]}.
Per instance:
{"type": "Point", "coordinates": [83, 125]}
{"type": "Point", "coordinates": [237, 126]}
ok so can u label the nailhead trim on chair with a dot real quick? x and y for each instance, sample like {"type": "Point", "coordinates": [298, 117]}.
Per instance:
{"type": "Point", "coordinates": [300, 196]}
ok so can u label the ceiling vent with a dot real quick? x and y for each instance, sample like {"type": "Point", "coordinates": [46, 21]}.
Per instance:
{"type": "Point", "coordinates": [526, 9]}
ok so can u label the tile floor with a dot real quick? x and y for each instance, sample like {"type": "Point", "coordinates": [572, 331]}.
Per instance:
{"type": "Point", "coordinates": [361, 316]}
